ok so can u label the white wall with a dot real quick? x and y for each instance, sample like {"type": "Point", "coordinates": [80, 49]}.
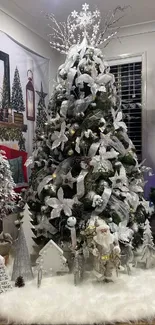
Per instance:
{"type": "Point", "coordinates": [140, 39]}
{"type": "Point", "coordinates": [31, 41]}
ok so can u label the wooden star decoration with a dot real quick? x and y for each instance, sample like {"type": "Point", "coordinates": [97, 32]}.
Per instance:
{"type": "Point", "coordinates": [42, 95]}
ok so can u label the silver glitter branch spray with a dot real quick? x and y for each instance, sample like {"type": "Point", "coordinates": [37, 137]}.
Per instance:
{"type": "Point", "coordinates": [84, 24]}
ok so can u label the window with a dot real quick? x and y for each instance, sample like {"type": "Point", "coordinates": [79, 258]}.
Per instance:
{"type": "Point", "coordinates": [128, 77]}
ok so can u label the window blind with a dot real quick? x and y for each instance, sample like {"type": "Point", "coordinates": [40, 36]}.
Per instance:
{"type": "Point", "coordinates": [128, 77]}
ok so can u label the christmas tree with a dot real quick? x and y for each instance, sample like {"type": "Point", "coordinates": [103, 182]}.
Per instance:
{"type": "Point", "coordinates": [86, 165]}
{"type": "Point", "coordinates": [28, 228]}
{"type": "Point", "coordinates": [41, 112]}
{"type": "Point", "coordinates": [148, 248]}
{"type": "Point", "coordinates": [17, 102]}
{"type": "Point", "coordinates": [19, 282]}
{"type": "Point", "coordinates": [22, 265]}
{"type": "Point", "coordinates": [5, 285]}
{"type": "Point", "coordinates": [7, 194]}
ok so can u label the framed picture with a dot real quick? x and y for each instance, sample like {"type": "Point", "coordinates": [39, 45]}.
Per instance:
{"type": "Point", "coordinates": [30, 98]}
{"type": "Point", "coordinates": [4, 86]}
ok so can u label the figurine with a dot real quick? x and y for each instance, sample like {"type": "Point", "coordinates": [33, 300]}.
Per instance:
{"type": "Point", "coordinates": [106, 252]}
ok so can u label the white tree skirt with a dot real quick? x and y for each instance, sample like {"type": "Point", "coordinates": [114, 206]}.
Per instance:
{"type": "Point", "coordinates": [58, 301]}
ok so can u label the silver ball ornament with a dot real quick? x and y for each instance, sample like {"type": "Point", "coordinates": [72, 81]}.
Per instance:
{"type": "Point", "coordinates": [76, 126]}
{"type": "Point", "coordinates": [71, 222]}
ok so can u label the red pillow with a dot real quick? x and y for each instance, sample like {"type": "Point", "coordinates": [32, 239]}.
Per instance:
{"type": "Point", "coordinates": [13, 153]}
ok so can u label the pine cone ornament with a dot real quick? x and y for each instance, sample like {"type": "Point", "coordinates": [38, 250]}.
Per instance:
{"type": "Point", "coordinates": [19, 282]}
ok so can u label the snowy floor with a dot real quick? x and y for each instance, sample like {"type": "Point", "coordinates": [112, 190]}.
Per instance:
{"type": "Point", "coordinates": [58, 301]}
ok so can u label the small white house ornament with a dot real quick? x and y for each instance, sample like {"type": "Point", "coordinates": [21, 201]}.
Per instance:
{"type": "Point", "coordinates": [51, 259]}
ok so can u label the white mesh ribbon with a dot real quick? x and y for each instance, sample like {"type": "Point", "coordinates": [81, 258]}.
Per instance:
{"type": "Point", "coordinates": [64, 108]}
{"type": "Point", "coordinates": [70, 78]}
{"type": "Point", "coordinates": [73, 237]}
{"type": "Point", "coordinates": [44, 182]}
{"type": "Point", "coordinates": [117, 145]}
{"type": "Point", "coordinates": [82, 104]}
{"type": "Point", "coordinates": [121, 208]}
{"type": "Point", "coordinates": [29, 161]}
{"type": "Point", "coordinates": [132, 199]}
{"type": "Point", "coordinates": [80, 183]}
{"type": "Point", "coordinates": [105, 197]}
{"type": "Point", "coordinates": [93, 149]}
{"type": "Point", "coordinates": [77, 146]}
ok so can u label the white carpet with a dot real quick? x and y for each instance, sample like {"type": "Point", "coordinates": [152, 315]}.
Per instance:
{"type": "Point", "coordinates": [58, 301]}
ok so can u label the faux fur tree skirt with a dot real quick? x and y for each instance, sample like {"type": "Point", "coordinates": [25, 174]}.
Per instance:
{"type": "Point", "coordinates": [58, 301]}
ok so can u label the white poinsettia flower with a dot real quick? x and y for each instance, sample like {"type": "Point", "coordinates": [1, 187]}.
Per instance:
{"type": "Point", "coordinates": [117, 120]}
{"type": "Point", "coordinates": [59, 138]}
{"type": "Point", "coordinates": [95, 84]}
{"type": "Point", "coordinates": [103, 143]}
{"type": "Point", "coordinates": [60, 204]}
{"type": "Point", "coordinates": [100, 164]}
{"type": "Point", "coordinates": [77, 146]}
{"type": "Point", "coordinates": [112, 154]}
{"type": "Point", "coordinates": [124, 234]}
{"type": "Point", "coordinates": [120, 178]}
{"type": "Point", "coordinates": [68, 179]}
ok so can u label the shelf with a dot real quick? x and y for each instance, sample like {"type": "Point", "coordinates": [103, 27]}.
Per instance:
{"type": "Point", "coordinates": [13, 125]}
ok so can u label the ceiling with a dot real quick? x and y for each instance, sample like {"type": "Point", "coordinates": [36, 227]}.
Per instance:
{"type": "Point", "coordinates": [32, 12]}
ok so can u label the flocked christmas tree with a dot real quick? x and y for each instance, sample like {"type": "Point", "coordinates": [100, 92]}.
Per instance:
{"type": "Point", "coordinates": [5, 284]}
{"type": "Point", "coordinates": [17, 102]}
{"type": "Point", "coordinates": [86, 165]}
{"type": "Point", "coordinates": [22, 264]}
{"type": "Point", "coordinates": [7, 194]}
{"type": "Point", "coordinates": [148, 248]}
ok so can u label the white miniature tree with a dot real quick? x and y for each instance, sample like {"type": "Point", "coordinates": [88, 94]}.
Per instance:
{"type": "Point", "coordinates": [51, 259]}
{"type": "Point", "coordinates": [148, 248]}
{"type": "Point", "coordinates": [27, 228]}
{"type": "Point", "coordinates": [4, 280]}
{"type": "Point", "coordinates": [7, 185]}
{"type": "Point", "coordinates": [22, 264]}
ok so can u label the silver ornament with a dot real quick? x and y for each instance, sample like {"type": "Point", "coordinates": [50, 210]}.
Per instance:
{"type": "Point", "coordinates": [71, 222]}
